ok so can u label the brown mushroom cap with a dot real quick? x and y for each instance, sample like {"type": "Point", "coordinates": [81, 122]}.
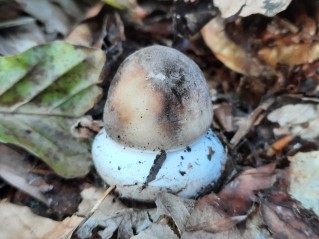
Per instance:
{"type": "Point", "coordinates": [158, 99]}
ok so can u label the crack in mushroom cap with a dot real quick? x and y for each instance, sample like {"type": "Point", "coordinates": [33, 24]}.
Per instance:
{"type": "Point", "coordinates": [158, 99]}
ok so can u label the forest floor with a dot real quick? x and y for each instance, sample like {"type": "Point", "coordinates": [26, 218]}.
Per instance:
{"type": "Point", "coordinates": [57, 60]}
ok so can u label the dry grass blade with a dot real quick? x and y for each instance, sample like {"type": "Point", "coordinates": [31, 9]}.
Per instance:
{"type": "Point", "coordinates": [105, 194]}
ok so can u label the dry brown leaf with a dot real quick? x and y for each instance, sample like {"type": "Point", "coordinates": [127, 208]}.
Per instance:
{"type": "Point", "coordinates": [176, 208]}
{"type": "Point", "coordinates": [283, 223]}
{"type": "Point", "coordinates": [90, 197]}
{"type": "Point", "coordinates": [256, 228]}
{"type": "Point", "coordinates": [20, 222]}
{"type": "Point", "coordinates": [81, 35]}
{"type": "Point", "coordinates": [93, 11]}
{"type": "Point", "coordinates": [91, 31]}
{"type": "Point", "coordinates": [308, 25]}
{"type": "Point", "coordinates": [215, 226]}
{"type": "Point", "coordinates": [9, 10]}
{"type": "Point", "coordinates": [232, 55]}
{"type": "Point", "coordinates": [54, 19]}
{"type": "Point", "coordinates": [249, 122]}
{"type": "Point", "coordinates": [156, 231]}
{"type": "Point", "coordinates": [245, 8]}
{"type": "Point", "coordinates": [109, 206]}
{"type": "Point", "coordinates": [223, 114]}
{"type": "Point", "coordinates": [290, 54]}
{"type": "Point", "coordinates": [70, 7]}
{"type": "Point", "coordinates": [20, 35]}
{"type": "Point", "coordinates": [204, 213]}
{"type": "Point", "coordinates": [239, 195]}
{"type": "Point", "coordinates": [111, 215]}
{"type": "Point", "coordinates": [14, 170]}
{"type": "Point", "coordinates": [86, 127]}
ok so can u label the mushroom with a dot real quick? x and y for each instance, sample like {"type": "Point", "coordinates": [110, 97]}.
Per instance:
{"type": "Point", "coordinates": [157, 134]}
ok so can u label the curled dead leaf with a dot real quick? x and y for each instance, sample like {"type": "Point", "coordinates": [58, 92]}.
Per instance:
{"type": "Point", "coordinates": [232, 55]}
{"type": "Point", "coordinates": [245, 8]}
{"type": "Point", "coordinates": [283, 223]}
{"type": "Point", "coordinates": [290, 54]}
{"type": "Point", "coordinates": [86, 127]}
{"type": "Point", "coordinates": [239, 195]}
{"type": "Point", "coordinates": [20, 222]}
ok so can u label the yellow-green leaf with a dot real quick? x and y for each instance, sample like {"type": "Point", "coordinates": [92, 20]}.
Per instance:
{"type": "Point", "coordinates": [42, 92]}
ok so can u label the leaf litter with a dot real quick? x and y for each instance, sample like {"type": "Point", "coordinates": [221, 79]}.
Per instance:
{"type": "Point", "coordinates": [298, 120]}
{"type": "Point", "coordinates": [22, 223]}
{"type": "Point", "coordinates": [263, 75]}
{"type": "Point", "coordinates": [14, 170]}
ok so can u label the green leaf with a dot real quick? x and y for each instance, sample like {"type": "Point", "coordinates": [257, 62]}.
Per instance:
{"type": "Point", "coordinates": [42, 92]}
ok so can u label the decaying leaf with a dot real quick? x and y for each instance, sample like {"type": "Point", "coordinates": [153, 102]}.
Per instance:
{"type": "Point", "coordinates": [127, 222]}
{"type": "Point", "coordinates": [232, 55]}
{"type": "Point", "coordinates": [134, 11]}
{"type": "Point", "coordinates": [111, 216]}
{"type": "Point", "coordinates": [304, 179]}
{"type": "Point", "coordinates": [91, 31]}
{"type": "Point", "coordinates": [219, 225]}
{"type": "Point", "coordinates": [238, 196]}
{"type": "Point", "coordinates": [215, 213]}
{"type": "Point", "coordinates": [42, 91]}
{"type": "Point", "coordinates": [9, 10]}
{"type": "Point", "coordinates": [20, 222]}
{"type": "Point", "coordinates": [223, 114]}
{"type": "Point", "coordinates": [156, 231]}
{"type": "Point", "coordinates": [245, 8]}
{"type": "Point", "coordinates": [290, 54]}
{"type": "Point", "coordinates": [19, 35]}
{"type": "Point", "coordinates": [51, 15]}
{"type": "Point", "coordinates": [293, 114]}
{"type": "Point", "coordinates": [90, 196]}
{"type": "Point", "coordinates": [198, 226]}
{"type": "Point", "coordinates": [14, 170]}
{"type": "Point", "coordinates": [176, 208]}
{"type": "Point", "coordinates": [109, 206]}
{"type": "Point", "coordinates": [246, 124]}
{"type": "Point", "coordinates": [283, 223]}
{"type": "Point", "coordinates": [70, 7]}
{"type": "Point", "coordinates": [86, 127]}
{"type": "Point", "coordinates": [255, 227]}
{"type": "Point", "coordinates": [298, 120]}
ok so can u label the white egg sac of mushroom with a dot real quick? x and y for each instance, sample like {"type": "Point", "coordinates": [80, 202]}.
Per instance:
{"type": "Point", "coordinates": [157, 134]}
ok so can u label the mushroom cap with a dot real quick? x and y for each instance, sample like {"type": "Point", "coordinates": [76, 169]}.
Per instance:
{"type": "Point", "coordinates": [158, 99]}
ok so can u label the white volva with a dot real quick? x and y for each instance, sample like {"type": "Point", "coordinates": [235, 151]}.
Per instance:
{"type": "Point", "coordinates": [186, 172]}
